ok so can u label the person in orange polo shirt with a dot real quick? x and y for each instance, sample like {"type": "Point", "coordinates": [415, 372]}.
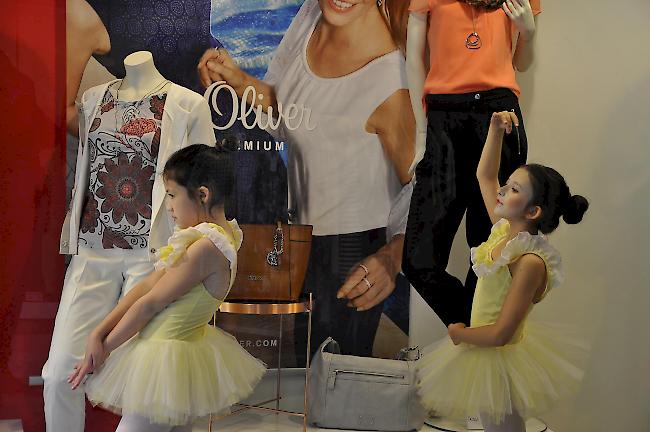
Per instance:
{"type": "Point", "coordinates": [474, 48]}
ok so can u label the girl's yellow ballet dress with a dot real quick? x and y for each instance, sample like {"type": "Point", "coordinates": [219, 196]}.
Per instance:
{"type": "Point", "coordinates": [178, 367]}
{"type": "Point", "coordinates": [537, 367]}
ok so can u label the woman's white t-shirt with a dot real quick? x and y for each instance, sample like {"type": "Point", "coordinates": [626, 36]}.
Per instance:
{"type": "Point", "coordinates": [340, 179]}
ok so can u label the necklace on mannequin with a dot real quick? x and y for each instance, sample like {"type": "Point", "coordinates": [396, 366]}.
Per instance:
{"type": "Point", "coordinates": [158, 86]}
{"type": "Point", "coordinates": [151, 92]}
{"type": "Point", "coordinates": [473, 40]}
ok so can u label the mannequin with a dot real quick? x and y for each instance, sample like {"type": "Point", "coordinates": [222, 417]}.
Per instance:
{"type": "Point", "coordinates": [469, 77]}
{"type": "Point", "coordinates": [416, 74]}
{"type": "Point", "coordinates": [141, 75]}
{"type": "Point", "coordinates": [117, 219]}
{"type": "Point", "coordinates": [109, 31]}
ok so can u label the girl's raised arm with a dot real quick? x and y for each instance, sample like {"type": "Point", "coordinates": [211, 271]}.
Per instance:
{"type": "Point", "coordinates": [487, 171]}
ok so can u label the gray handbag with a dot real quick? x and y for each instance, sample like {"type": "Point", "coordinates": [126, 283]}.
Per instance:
{"type": "Point", "coordinates": [363, 393]}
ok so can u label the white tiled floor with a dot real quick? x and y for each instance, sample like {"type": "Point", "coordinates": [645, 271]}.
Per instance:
{"type": "Point", "coordinates": [292, 400]}
{"type": "Point", "coordinates": [292, 391]}
{"type": "Point", "coordinates": [263, 422]}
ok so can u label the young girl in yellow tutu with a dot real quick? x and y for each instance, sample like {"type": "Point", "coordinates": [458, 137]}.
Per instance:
{"type": "Point", "coordinates": [155, 359]}
{"type": "Point", "coordinates": [502, 366]}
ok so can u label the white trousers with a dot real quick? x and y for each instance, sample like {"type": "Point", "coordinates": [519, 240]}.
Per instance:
{"type": "Point", "coordinates": [93, 284]}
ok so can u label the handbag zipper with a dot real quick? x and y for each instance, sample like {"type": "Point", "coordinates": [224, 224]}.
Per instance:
{"type": "Point", "coordinates": [336, 372]}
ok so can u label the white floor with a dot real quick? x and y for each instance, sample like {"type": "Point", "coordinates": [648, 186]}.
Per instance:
{"type": "Point", "coordinates": [263, 422]}
{"type": "Point", "coordinates": [292, 400]}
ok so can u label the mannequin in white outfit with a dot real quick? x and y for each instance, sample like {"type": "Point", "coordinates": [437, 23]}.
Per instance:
{"type": "Point", "coordinates": [101, 272]}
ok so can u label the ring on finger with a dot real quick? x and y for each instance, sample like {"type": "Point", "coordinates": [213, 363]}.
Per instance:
{"type": "Point", "coordinates": [365, 279]}
{"type": "Point", "coordinates": [365, 269]}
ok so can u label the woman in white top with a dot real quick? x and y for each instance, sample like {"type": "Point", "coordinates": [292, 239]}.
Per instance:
{"type": "Point", "coordinates": [338, 81]}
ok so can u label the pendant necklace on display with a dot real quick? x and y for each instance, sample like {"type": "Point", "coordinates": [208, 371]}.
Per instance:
{"type": "Point", "coordinates": [151, 92]}
{"type": "Point", "coordinates": [473, 40]}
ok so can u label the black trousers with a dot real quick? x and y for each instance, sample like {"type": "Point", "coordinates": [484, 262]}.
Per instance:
{"type": "Point", "coordinates": [331, 260]}
{"type": "Point", "coordinates": [447, 188]}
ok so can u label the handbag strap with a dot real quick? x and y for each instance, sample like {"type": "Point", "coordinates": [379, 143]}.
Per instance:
{"type": "Point", "coordinates": [278, 239]}
{"type": "Point", "coordinates": [272, 258]}
{"type": "Point", "coordinates": [407, 354]}
{"type": "Point", "coordinates": [330, 346]}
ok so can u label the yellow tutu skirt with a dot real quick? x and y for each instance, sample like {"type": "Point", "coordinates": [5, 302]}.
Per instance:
{"type": "Point", "coordinates": [527, 376]}
{"type": "Point", "coordinates": [174, 381]}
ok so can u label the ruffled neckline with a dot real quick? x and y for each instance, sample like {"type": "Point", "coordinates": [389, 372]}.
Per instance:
{"type": "Point", "coordinates": [524, 242]}
{"type": "Point", "coordinates": [178, 243]}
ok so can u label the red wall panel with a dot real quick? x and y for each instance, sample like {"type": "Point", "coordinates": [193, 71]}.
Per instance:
{"type": "Point", "coordinates": [32, 197]}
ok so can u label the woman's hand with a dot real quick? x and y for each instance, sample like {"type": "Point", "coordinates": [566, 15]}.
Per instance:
{"type": "Point", "coordinates": [371, 282]}
{"type": "Point", "coordinates": [503, 121]}
{"type": "Point", "coordinates": [453, 330]}
{"type": "Point", "coordinates": [521, 14]}
{"type": "Point", "coordinates": [94, 358]}
{"type": "Point", "coordinates": [217, 65]}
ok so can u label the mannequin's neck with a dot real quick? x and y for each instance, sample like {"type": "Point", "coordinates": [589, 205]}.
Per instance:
{"type": "Point", "coordinates": [141, 77]}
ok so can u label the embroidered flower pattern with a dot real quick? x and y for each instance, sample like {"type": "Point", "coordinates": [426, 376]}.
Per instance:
{"type": "Point", "coordinates": [157, 105]}
{"type": "Point", "coordinates": [126, 188]}
{"type": "Point", "coordinates": [106, 107]}
{"type": "Point", "coordinates": [124, 141]}
{"type": "Point", "coordinates": [95, 125]}
{"type": "Point", "coordinates": [90, 217]}
{"type": "Point", "coordinates": [139, 127]}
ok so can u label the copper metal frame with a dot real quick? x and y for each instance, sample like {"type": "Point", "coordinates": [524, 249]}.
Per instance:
{"type": "Point", "coordinates": [279, 309]}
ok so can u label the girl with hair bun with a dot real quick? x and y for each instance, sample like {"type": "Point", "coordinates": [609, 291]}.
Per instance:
{"type": "Point", "coordinates": [503, 366]}
{"type": "Point", "coordinates": [155, 359]}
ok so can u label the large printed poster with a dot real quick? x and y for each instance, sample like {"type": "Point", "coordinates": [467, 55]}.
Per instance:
{"type": "Point", "coordinates": [276, 177]}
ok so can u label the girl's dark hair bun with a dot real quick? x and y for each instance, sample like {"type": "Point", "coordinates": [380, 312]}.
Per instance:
{"type": "Point", "coordinates": [574, 209]}
{"type": "Point", "coordinates": [552, 195]}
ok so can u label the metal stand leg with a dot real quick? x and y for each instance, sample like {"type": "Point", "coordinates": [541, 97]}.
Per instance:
{"type": "Point", "coordinates": [279, 379]}
{"type": "Point", "coordinates": [273, 309]}
{"type": "Point", "coordinates": [214, 323]}
{"type": "Point", "coordinates": [306, 406]}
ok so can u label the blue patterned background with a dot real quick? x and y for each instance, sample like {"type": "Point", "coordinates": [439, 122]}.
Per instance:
{"type": "Point", "coordinates": [251, 30]}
